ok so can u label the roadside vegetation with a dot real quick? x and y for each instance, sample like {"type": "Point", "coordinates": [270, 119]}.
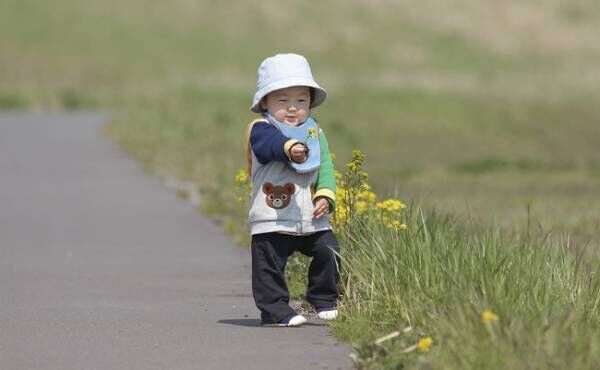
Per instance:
{"type": "Point", "coordinates": [473, 241]}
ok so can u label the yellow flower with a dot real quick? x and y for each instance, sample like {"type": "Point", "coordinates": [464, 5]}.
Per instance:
{"type": "Point", "coordinates": [357, 155]}
{"type": "Point", "coordinates": [312, 132]}
{"type": "Point", "coordinates": [424, 344]}
{"type": "Point", "coordinates": [367, 197]}
{"type": "Point", "coordinates": [241, 177]}
{"type": "Point", "coordinates": [397, 225]}
{"type": "Point", "coordinates": [488, 316]}
{"type": "Point", "coordinates": [362, 206]}
{"type": "Point", "coordinates": [391, 205]}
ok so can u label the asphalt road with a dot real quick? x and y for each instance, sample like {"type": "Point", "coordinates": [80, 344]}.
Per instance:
{"type": "Point", "coordinates": [103, 267]}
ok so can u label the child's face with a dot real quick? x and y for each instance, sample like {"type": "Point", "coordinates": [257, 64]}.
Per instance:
{"type": "Point", "coordinates": [290, 105]}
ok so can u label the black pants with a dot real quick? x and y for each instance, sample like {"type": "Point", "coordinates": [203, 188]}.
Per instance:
{"type": "Point", "coordinates": [270, 252]}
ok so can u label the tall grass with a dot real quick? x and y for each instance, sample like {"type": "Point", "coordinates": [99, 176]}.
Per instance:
{"type": "Point", "coordinates": [439, 275]}
{"type": "Point", "coordinates": [442, 278]}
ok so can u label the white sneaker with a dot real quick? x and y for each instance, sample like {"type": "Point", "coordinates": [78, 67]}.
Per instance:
{"type": "Point", "coordinates": [327, 315]}
{"type": "Point", "coordinates": [296, 321]}
{"type": "Point", "coordinates": [293, 321]}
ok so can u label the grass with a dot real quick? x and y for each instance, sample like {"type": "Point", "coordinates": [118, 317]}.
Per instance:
{"type": "Point", "coordinates": [486, 112]}
{"type": "Point", "coordinates": [439, 276]}
{"type": "Point", "coordinates": [443, 277]}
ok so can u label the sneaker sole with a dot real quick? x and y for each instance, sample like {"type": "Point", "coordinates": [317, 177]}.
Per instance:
{"type": "Point", "coordinates": [301, 320]}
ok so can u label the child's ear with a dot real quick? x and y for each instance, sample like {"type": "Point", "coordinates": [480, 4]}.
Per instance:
{"type": "Point", "coordinates": [262, 105]}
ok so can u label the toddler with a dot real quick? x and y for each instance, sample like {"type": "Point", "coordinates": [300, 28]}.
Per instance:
{"type": "Point", "coordinates": [293, 191]}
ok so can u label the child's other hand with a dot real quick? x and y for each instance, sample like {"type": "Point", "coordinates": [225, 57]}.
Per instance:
{"type": "Point", "coordinates": [298, 153]}
{"type": "Point", "coordinates": [321, 208]}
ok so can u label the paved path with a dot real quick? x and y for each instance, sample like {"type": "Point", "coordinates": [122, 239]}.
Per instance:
{"type": "Point", "coordinates": [102, 267]}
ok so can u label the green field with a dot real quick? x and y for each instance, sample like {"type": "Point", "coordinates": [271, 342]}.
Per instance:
{"type": "Point", "coordinates": [479, 108]}
{"type": "Point", "coordinates": [486, 111]}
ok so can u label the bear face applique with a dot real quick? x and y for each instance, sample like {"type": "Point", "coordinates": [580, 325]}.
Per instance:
{"type": "Point", "coordinates": [278, 197]}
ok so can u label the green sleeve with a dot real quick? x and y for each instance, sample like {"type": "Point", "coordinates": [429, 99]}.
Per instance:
{"type": "Point", "coordinates": [326, 177]}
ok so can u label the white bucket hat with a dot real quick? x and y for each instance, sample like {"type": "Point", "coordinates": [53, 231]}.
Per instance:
{"type": "Point", "coordinates": [285, 70]}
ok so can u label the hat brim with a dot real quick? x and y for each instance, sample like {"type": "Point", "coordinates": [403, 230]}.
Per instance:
{"type": "Point", "coordinates": [318, 97]}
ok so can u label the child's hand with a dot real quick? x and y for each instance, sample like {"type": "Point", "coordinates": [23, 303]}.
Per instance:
{"type": "Point", "coordinates": [321, 208]}
{"type": "Point", "coordinates": [298, 153]}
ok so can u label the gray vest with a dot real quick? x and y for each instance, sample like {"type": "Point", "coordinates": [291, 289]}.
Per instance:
{"type": "Point", "coordinates": [282, 200]}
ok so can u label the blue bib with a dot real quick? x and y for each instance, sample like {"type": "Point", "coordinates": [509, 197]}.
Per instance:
{"type": "Point", "coordinates": [308, 134]}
